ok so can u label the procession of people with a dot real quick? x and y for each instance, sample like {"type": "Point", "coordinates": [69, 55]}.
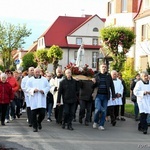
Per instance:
{"type": "Point", "coordinates": [43, 94]}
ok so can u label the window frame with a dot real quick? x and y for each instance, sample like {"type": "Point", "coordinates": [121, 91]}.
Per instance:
{"type": "Point", "coordinates": [95, 41]}
{"type": "Point", "coordinates": [78, 41]}
{"type": "Point", "coordinates": [94, 59]}
{"type": "Point", "coordinates": [124, 6]}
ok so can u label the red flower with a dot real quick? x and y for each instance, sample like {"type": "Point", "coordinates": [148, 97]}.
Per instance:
{"type": "Point", "coordinates": [85, 70]}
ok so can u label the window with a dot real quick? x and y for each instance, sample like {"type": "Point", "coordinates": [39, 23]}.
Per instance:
{"type": "Point", "coordinates": [79, 41]}
{"type": "Point", "coordinates": [75, 55]}
{"type": "Point", "coordinates": [94, 59]}
{"type": "Point", "coordinates": [95, 41]}
{"type": "Point", "coordinates": [124, 5]}
{"type": "Point", "coordinates": [143, 62]}
{"type": "Point", "coordinates": [95, 29]}
{"type": "Point", "coordinates": [109, 8]}
{"type": "Point", "coordinates": [145, 35]}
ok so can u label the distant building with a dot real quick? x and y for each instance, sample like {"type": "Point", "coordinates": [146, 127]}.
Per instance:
{"type": "Point", "coordinates": [142, 26]}
{"type": "Point", "coordinates": [69, 33]}
{"type": "Point", "coordinates": [17, 57]}
{"type": "Point", "coordinates": [134, 14]}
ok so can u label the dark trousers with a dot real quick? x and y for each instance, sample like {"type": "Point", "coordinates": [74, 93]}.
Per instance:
{"type": "Point", "coordinates": [143, 121]}
{"type": "Point", "coordinates": [136, 109]}
{"type": "Point", "coordinates": [123, 105]}
{"type": "Point", "coordinates": [68, 113]}
{"type": "Point", "coordinates": [122, 110]}
{"type": "Point", "coordinates": [3, 109]}
{"type": "Point", "coordinates": [38, 116]}
{"type": "Point", "coordinates": [85, 110]}
{"type": "Point", "coordinates": [18, 106]}
{"type": "Point", "coordinates": [11, 110]}
{"type": "Point", "coordinates": [110, 112]}
{"type": "Point", "coordinates": [116, 111]}
{"type": "Point", "coordinates": [77, 103]}
{"type": "Point", "coordinates": [29, 115]}
{"type": "Point", "coordinates": [92, 109]}
{"type": "Point", "coordinates": [58, 114]}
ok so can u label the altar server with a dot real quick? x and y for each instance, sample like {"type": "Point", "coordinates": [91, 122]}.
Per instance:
{"type": "Point", "coordinates": [142, 91]}
{"type": "Point", "coordinates": [23, 87]}
{"type": "Point", "coordinates": [113, 104]}
{"type": "Point", "coordinates": [54, 87]}
{"type": "Point", "coordinates": [37, 88]}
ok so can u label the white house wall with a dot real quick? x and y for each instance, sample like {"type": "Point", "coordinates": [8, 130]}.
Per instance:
{"type": "Point", "coordinates": [86, 32]}
{"type": "Point", "coordinates": [70, 53]}
{"type": "Point", "coordinates": [121, 19]}
{"type": "Point", "coordinates": [142, 48]}
{"type": "Point", "coordinates": [41, 43]}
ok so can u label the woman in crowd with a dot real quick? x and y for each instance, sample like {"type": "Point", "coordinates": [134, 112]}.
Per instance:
{"type": "Point", "coordinates": [6, 95]}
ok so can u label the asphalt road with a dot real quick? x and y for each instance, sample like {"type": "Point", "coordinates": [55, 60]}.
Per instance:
{"type": "Point", "coordinates": [16, 135]}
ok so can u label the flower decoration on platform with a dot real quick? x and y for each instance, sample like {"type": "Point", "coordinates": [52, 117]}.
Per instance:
{"type": "Point", "coordinates": [85, 70]}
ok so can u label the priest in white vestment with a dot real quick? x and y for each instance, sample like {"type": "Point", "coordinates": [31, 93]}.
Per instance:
{"type": "Point", "coordinates": [142, 91]}
{"type": "Point", "coordinates": [37, 88]}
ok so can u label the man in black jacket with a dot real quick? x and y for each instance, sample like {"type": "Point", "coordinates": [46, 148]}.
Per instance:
{"type": "Point", "coordinates": [104, 83]}
{"type": "Point", "coordinates": [85, 99]}
{"type": "Point", "coordinates": [68, 90]}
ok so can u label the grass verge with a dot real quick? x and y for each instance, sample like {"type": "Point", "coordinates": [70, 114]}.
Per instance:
{"type": "Point", "coordinates": [129, 109]}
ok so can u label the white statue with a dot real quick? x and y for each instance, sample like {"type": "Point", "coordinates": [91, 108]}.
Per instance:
{"type": "Point", "coordinates": [80, 57]}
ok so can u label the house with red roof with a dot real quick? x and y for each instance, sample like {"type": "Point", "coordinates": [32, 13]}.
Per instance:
{"type": "Point", "coordinates": [69, 33]}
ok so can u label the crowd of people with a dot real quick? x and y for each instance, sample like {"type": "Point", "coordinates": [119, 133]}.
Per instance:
{"type": "Point", "coordinates": [102, 97]}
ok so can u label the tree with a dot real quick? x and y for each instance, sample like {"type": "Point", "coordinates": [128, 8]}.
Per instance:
{"type": "Point", "coordinates": [11, 37]}
{"type": "Point", "coordinates": [55, 53]}
{"type": "Point", "coordinates": [42, 59]}
{"type": "Point", "coordinates": [128, 73]}
{"type": "Point", "coordinates": [117, 41]}
{"type": "Point", "coordinates": [28, 60]}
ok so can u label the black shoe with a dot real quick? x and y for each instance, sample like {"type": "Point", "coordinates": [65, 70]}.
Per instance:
{"type": "Point", "coordinates": [30, 125]}
{"type": "Point", "coordinates": [80, 120]}
{"type": "Point", "coordinates": [139, 127]}
{"type": "Point", "coordinates": [35, 130]}
{"type": "Point", "coordinates": [123, 119]}
{"type": "Point", "coordinates": [144, 131]}
{"type": "Point", "coordinates": [86, 123]}
{"type": "Point", "coordinates": [18, 115]}
{"type": "Point", "coordinates": [3, 124]}
{"type": "Point", "coordinates": [70, 128]}
{"type": "Point", "coordinates": [63, 126]}
{"type": "Point", "coordinates": [113, 123]}
{"type": "Point", "coordinates": [39, 126]}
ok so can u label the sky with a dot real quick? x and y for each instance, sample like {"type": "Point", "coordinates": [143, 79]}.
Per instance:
{"type": "Point", "coordinates": [38, 15]}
